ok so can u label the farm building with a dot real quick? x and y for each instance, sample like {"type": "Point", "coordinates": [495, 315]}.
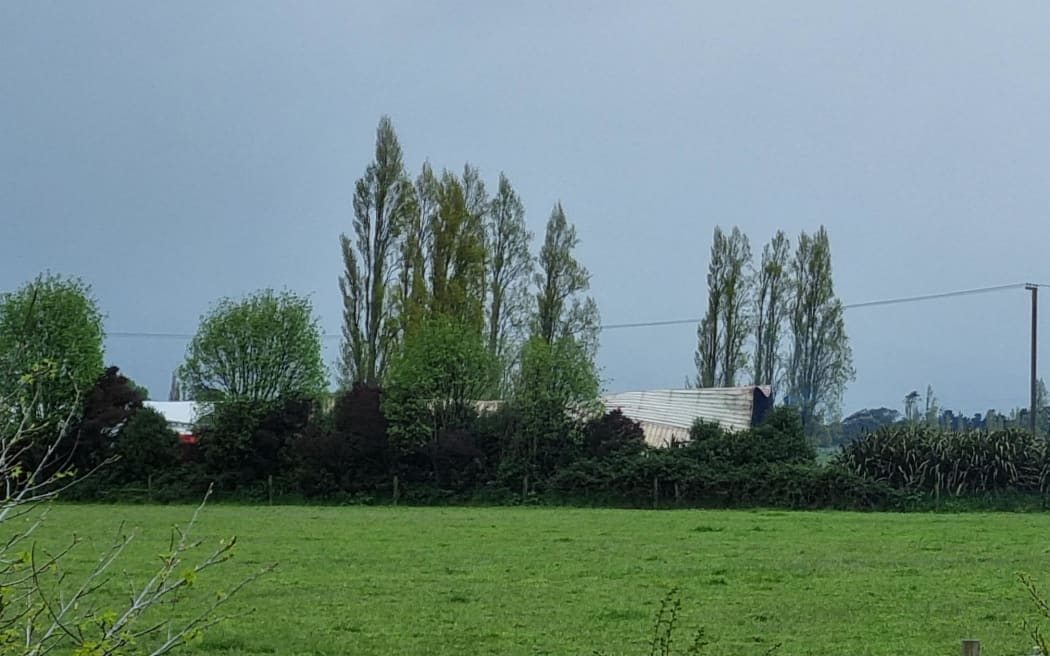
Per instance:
{"type": "Point", "coordinates": [667, 415]}
{"type": "Point", "coordinates": [181, 416]}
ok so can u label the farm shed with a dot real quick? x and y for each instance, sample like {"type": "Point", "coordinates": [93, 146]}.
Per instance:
{"type": "Point", "coordinates": [181, 416]}
{"type": "Point", "coordinates": [667, 415]}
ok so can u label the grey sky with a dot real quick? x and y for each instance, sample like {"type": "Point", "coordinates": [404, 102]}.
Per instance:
{"type": "Point", "coordinates": [173, 153]}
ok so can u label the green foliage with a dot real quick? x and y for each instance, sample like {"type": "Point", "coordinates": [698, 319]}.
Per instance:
{"type": "Point", "coordinates": [51, 322]}
{"type": "Point", "coordinates": [561, 281]}
{"type": "Point", "coordinates": [1042, 607]}
{"type": "Point", "coordinates": [920, 458]}
{"type": "Point", "coordinates": [779, 439]}
{"type": "Point", "coordinates": [145, 446]}
{"type": "Point", "coordinates": [821, 359]}
{"type": "Point", "coordinates": [510, 267]}
{"type": "Point", "coordinates": [412, 302]}
{"type": "Point", "coordinates": [442, 370]}
{"type": "Point", "coordinates": [866, 421]}
{"type": "Point", "coordinates": [727, 324]}
{"type": "Point", "coordinates": [48, 607]}
{"type": "Point", "coordinates": [244, 442]}
{"type": "Point", "coordinates": [457, 250]}
{"type": "Point", "coordinates": [383, 202]}
{"type": "Point", "coordinates": [107, 409]}
{"type": "Point", "coordinates": [261, 348]}
{"type": "Point", "coordinates": [664, 630]}
{"type": "Point", "coordinates": [613, 433]}
{"type": "Point", "coordinates": [555, 392]}
{"type": "Point", "coordinates": [772, 295]}
{"type": "Point", "coordinates": [350, 452]}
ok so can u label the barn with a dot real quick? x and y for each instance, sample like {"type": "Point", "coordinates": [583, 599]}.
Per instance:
{"type": "Point", "coordinates": [666, 415]}
{"type": "Point", "coordinates": [181, 417]}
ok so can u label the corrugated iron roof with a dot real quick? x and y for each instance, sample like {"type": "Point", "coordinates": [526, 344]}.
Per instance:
{"type": "Point", "coordinates": [667, 415]}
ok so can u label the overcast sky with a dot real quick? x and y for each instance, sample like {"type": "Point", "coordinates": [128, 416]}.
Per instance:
{"type": "Point", "coordinates": [173, 153]}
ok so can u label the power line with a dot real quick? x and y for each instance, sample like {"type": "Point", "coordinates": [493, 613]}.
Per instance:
{"type": "Point", "coordinates": [674, 322]}
{"type": "Point", "coordinates": [930, 297]}
{"type": "Point", "coordinates": [848, 306]}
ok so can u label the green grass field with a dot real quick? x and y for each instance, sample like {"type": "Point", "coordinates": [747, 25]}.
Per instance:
{"type": "Point", "coordinates": [571, 581]}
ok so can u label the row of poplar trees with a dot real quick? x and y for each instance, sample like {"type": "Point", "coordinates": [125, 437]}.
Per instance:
{"type": "Point", "coordinates": [441, 246]}
{"type": "Point", "coordinates": [778, 323]}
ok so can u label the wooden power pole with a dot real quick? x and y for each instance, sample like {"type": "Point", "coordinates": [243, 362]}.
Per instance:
{"type": "Point", "coordinates": [1034, 411]}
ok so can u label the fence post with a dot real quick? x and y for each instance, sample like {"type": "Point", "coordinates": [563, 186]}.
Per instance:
{"type": "Point", "coordinates": [525, 487]}
{"type": "Point", "coordinates": [269, 488]}
{"type": "Point", "coordinates": [971, 648]}
{"type": "Point", "coordinates": [656, 492]}
{"type": "Point", "coordinates": [149, 488]}
{"type": "Point", "coordinates": [677, 493]}
{"type": "Point", "coordinates": [397, 489]}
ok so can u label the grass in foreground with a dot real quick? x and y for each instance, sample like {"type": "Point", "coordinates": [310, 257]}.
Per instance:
{"type": "Point", "coordinates": [568, 581]}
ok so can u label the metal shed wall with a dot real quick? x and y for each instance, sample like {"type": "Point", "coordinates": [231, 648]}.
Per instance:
{"type": "Point", "coordinates": [667, 415]}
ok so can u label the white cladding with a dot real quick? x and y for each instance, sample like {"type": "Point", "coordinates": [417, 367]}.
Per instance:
{"type": "Point", "coordinates": [181, 415]}
{"type": "Point", "coordinates": [667, 415]}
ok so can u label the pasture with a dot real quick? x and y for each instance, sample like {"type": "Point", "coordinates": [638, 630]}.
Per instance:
{"type": "Point", "coordinates": [526, 581]}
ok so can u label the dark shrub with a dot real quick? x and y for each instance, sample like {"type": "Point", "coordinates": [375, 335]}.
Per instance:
{"type": "Point", "coordinates": [612, 433]}
{"type": "Point", "coordinates": [324, 462]}
{"type": "Point", "coordinates": [459, 465]}
{"type": "Point", "coordinates": [351, 452]}
{"type": "Point", "coordinates": [778, 439]}
{"type": "Point", "coordinates": [242, 442]}
{"type": "Point", "coordinates": [108, 406]}
{"type": "Point", "coordinates": [146, 446]}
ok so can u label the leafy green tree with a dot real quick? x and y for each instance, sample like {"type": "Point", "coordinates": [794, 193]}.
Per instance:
{"type": "Point", "coordinates": [509, 268]}
{"type": "Point", "coordinates": [707, 333]}
{"type": "Point", "coordinates": [771, 303]}
{"type": "Point", "coordinates": [434, 381]}
{"type": "Point", "coordinates": [475, 196]}
{"type": "Point", "coordinates": [562, 310]}
{"type": "Point", "coordinates": [726, 325]}
{"type": "Point", "coordinates": [556, 390]}
{"type": "Point", "coordinates": [821, 358]}
{"type": "Point", "coordinates": [413, 291]}
{"type": "Point", "coordinates": [261, 348]}
{"type": "Point", "coordinates": [736, 319]}
{"type": "Point", "coordinates": [51, 322]}
{"type": "Point", "coordinates": [383, 203]}
{"type": "Point", "coordinates": [457, 251]}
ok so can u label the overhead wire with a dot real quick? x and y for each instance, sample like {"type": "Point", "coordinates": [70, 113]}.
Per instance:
{"type": "Point", "coordinates": [676, 322]}
{"type": "Point", "coordinates": [847, 306]}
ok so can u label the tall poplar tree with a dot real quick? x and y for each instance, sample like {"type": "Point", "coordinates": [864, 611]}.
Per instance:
{"type": "Point", "coordinates": [509, 266]}
{"type": "Point", "coordinates": [726, 325]}
{"type": "Point", "coordinates": [383, 199]}
{"type": "Point", "coordinates": [821, 359]}
{"type": "Point", "coordinates": [562, 309]}
{"type": "Point", "coordinates": [772, 295]}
